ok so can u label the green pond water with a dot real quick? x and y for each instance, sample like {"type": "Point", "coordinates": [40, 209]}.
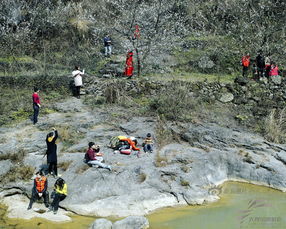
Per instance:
{"type": "Point", "coordinates": [241, 206]}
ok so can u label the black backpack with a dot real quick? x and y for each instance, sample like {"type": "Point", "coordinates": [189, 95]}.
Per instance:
{"type": "Point", "coordinates": [86, 158]}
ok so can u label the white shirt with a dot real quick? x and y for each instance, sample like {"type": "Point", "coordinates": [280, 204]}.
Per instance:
{"type": "Point", "coordinates": [77, 77]}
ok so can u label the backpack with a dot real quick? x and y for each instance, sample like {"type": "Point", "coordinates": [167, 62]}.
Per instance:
{"type": "Point", "coordinates": [86, 158]}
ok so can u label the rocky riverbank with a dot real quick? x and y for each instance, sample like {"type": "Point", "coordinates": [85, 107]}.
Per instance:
{"type": "Point", "coordinates": [185, 171]}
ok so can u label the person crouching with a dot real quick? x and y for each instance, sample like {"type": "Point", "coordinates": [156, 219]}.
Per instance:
{"type": "Point", "coordinates": [40, 189]}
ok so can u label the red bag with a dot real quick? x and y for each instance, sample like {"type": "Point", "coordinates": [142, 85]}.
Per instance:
{"type": "Point", "coordinates": [125, 151]}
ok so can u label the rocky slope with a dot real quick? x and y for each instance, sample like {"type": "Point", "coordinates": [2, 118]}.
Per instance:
{"type": "Point", "coordinates": [186, 172]}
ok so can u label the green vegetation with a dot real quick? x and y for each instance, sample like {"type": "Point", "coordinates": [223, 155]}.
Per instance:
{"type": "Point", "coordinates": [16, 103]}
{"type": "Point", "coordinates": [16, 157]}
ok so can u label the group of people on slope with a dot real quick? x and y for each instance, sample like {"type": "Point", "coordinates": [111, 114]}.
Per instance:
{"type": "Point", "coordinates": [40, 189]}
{"type": "Point", "coordinates": [262, 66]}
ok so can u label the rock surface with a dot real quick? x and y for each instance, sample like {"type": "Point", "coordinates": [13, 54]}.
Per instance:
{"type": "Point", "coordinates": [101, 224]}
{"type": "Point", "coordinates": [177, 174]}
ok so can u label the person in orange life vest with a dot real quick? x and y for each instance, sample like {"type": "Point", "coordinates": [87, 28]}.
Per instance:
{"type": "Point", "coordinates": [36, 104]}
{"type": "Point", "coordinates": [129, 64]}
{"type": "Point", "coordinates": [129, 143]}
{"type": "Point", "coordinates": [274, 71]}
{"type": "Point", "coordinates": [245, 62]}
{"type": "Point", "coordinates": [40, 189]}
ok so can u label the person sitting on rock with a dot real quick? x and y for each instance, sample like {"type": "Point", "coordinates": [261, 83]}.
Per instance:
{"type": "Point", "coordinates": [59, 194]}
{"type": "Point", "coordinates": [127, 145]}
{"type": "Point", "coordinates": [94, 157]}
{"type": "Point", "coordinates": [148, 144]}
{"type": "Point", "coordinates": [40, 189]}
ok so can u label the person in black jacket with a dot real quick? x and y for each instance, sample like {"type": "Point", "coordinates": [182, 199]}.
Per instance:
{"type": "Point", "coordinates": [52, 152]}
{"type": "Point", "coordinates": [260, 63]}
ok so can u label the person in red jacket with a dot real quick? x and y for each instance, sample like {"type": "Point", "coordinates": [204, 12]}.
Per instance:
{"type": "Point", "coordinates": [129, 65]}
{"type": "Point", "coordinates": [274, 71]}
{"type": "Point", "coordinates": [36, 104]}
{"type": "Point", "coordinates": [245, 62]}
{"type": "Point", "coordinates": [40, 189]}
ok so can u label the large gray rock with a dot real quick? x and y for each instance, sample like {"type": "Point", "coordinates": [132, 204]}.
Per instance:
{"type": "Point", "coordinates": [132, 222]}
{"type": "Point", "coordinates": [101, 224]}
{"type": "Point", "coordinates": [5, 166]}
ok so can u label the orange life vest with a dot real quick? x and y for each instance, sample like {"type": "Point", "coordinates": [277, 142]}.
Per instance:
{"type": "Point", "coordinates": [245, 61]}
{"type": "Point", "coordinates": [40, 184]}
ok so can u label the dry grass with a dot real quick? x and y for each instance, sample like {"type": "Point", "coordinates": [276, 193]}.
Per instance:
{"type": "Point", "coordinates": [14, 157]}
{"type": "Point", "coordinates": [23, 173]}
{"type": "Point", "coordinates": [160, 161]}
{"type": "Point", "coordinates": [184, 182]}
{"type": "Point", "coordinates": [64, 165]}
{"type": "Point", "coordinates": [142, 177]}
{"type": "Point", "coordinates": [275, 126]}
{"type": "Point", "coordinates": [185, 168]}
{"type": "Point", "coordinates": [82, 169]}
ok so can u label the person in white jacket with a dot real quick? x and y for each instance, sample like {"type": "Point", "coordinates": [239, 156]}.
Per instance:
{"type": "Point", "coordinates": [77, 75]}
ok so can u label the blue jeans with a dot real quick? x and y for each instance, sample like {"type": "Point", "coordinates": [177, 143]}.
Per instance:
{"type": "Point", "coordinates": [148, 147]}
{"type": "Point", "coordinates": [107, 50]}
{"type": "Point", "coordinates": [36, 113]}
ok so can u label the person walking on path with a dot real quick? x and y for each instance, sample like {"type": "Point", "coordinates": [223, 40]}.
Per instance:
{"type": "Point", "coordinates": [245, 61]}
{"type": "Point", "coordinates": [52, 152]}
{"type": "Point", "coordinates": [129, 65]}
{"type": "Point", "coordinates": [40, 189]}
{"type": "Point", "coordinates": [94, 157]}
{"type": "Point", "coordinates": [60, 193]}
{"type": "Point", "coordinates": [36, 104]}
{"type": "Point", "coordinates": [77, 75]}
{"type": "Point", "coordinates": [107, 45]}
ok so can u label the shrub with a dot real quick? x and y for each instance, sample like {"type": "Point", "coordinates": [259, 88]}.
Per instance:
{"type": "Point", "coordinates": [184, 182]}
{"type": "Point", "coordinates": [14, 157]}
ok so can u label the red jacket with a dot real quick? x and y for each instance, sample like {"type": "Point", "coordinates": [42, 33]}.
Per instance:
{"type": "Point", "coordinates": [91, 154]}
{"type": "Point", "coordinates": [36, 98]}
{"type": "Point", "coordinates": [245, 60]}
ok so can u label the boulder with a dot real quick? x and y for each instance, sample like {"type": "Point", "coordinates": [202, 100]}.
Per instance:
{"type": "Point", "coordinates": [5, 166]}
{"type": "Point", "coordinates": [226, 98]}
{"type": "Point", "coordinates": [101, 224]}
{"type": "Point", "coordinates": [132, 222]}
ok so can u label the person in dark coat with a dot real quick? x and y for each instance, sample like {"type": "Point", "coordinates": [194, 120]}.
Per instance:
{"type": "Point", "coordinates": [260, 63]}
{"type": "Point", "coordinates": [52, 151]}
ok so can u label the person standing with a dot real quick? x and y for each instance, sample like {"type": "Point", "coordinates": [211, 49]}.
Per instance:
{"type": "Point", "coordinates": [36, 104]}
{"type": "Point", "coordinates": [129, 64]}
{"type": "Point", "coordinates": [60, 193]}
{"type": "Point", "coordinates": [267, 65]}
{"type": "Point", "coordinates": [274, 71]}
{"type": "Point", "coordinates": [245, 61]}
{"type": "Point", "coordinates": [260, 63]}
{"type": "Point", "coordinates": [52, 152]}
{"type": "Point", "coordinates": [107, 45]}
{"type": "Point", "coordinates": [148, 144]}
{"type": "Point", "coordinates": [77, 75]}
{"type": "Point", "coordinates": [40, 189]}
